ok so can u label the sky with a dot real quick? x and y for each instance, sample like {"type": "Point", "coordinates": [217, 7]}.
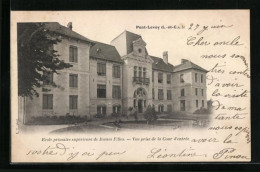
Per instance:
{"type": "Point", "coordinates": [104, 26]}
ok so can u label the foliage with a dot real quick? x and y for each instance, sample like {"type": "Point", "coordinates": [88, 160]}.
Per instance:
{"type": "Point", "coordinates": [99, 115]}
{"type": "Point", "coordinates": [202, 111]}
{"type": "Point", "coordinates": [150, 115]}
{"type": "Point", "coordinates": [36, 56]}
{"type": "Point", "coordinates": [56, 120]}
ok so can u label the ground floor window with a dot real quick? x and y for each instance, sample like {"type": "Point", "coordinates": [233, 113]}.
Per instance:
{"type": "Point", "coordinates": [116, 109]}
{"type": "Point", "coordinates": [47, 101]}
{"type": "Point", "coordinates": [169, 108]}
{"type": "Point", "coordinates": [182, 102]}
{"type": "Point", "coordinates": [101, 109]}
{"type": "Point", "coordinates": [197, 103]}
{"type": "Point", "coordinates": [202, 103]}
{"type": "Point", "coordinates": [160, 108]}
{"type": "Point", "coordinates": [73, 102]}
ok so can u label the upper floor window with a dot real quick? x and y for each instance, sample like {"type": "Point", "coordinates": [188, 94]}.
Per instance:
{"type": "Point", "coordinates": [101, 69]}
{"type": "Point", "coordinates": [73, 54]}
{"type": "Point", "coordinates": [135, 71]}
{"type": "Point", "coordinates": [73, 102]}
{"type": "Point", "coordinates": [48, 78]}
{"type": "Point", "coordinates": [168, 78]}
{"type": "Point", "coordinates": [202, 92]}
{"type": "Point", "coordinates": [116, 92]}
{"type": "Point", "coordinates": [144, 72]}
{"type": "Point", "coordinates": [73, 80]}
{"type": "Point", "coordinates": [153, 93]}
{"type": "Point", "coordinates": [201, 78]}
{"type": "Point", "coordinates": [140, 72]}
{"type": "Point", "coordinates": [182, 92]}
{"type": "Point", "coordinates": [101, 91]}
{"type": "Point", "coordinates": [139, 50]}
{"type": "Point", "coordinates": [47, 101]}
{"type": "Point", "coordinates": [196, 91]}
{"type": "Point", "coordinates": [160, 94]}
{"type": "Point", "coordinates": [116, 71]}
{"type": "Point", "coordinates": [153, 76]}
{"type": "Point", "coordinates": [181, 78]}
{"type": "Point", "coordinates": [196, 77]}
{"type": "Point", "coordinates": [169, 94]}
{"type": "Point", "coordinates": [160, 77]}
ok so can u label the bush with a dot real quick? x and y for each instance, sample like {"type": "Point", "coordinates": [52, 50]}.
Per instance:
{"type": "Point", "coordinates": [202, 111]}
{"type": "Point", "coordinates": [150, 115]}
{"type": "Point", "coordinates": [100, 115]}
{"type": "Point", "coordinates": [56, 120]}
{"type": "Point", "coordinates": [116, 114]}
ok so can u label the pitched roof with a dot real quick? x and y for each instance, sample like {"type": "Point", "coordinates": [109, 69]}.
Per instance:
{"type": "Point", "coordinates": [105, 52]}
{"type": "Point", "coordinates": [159, 64]}
{"type": "Point", "coordinates": [57, 28]}
{"type": "Point", "coordinates": [188, 65]}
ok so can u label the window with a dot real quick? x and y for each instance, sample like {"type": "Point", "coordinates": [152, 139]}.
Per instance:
{"type": "Point", "coordinates": [160, 94]}
{"type": "Point", "coordinates": [135, 71]}
{"type": "Point", "coordinates": [197, 103]}
{"type": "Point", "coordinates": [116, 109]}
{"type": "Point", "coordinates": [201, 78]}
{"type": "Point", "coordinates": [73, 54]}
{"type": "Point", "coordinates": [73, 80]}
{"type": "Point", "coordinates": [47, 101]}
{"type": "Point", "coordinates": [196, 91]}
{"type": "Point", "coordinates": [48, 78]}
{"type": "Point", "coordinates": [202, 103]}
{"type": "Point", "coordinates": [169, 94]}
{"type": "Point", "coordinates": [116, 92]}
{"type": "Point", "coordinates": [182, 103]}
{"type": "Point", "coordinates": [196, 77]}
{"type": "Point", "coordinates": [168, 78]}
{"type": "Point", "coordinates": [116, 71]}
{"type": "Point", "coordinates": [140, 72]}
{"type": "Point", "coordinates": [73, 102]}
{"type": "Point", "coordinates": [144, 72]}
{"type": "Point", "coordinates": [101, 109]}
{"type": "Point", "coordinates": [134, 102]}
{"type": "Point", "coordinates": [202, 92]}
{"type": "Point", "coordinates": [181, 78]}
{"type": "Point", "coordinates": [101, 91]}
{"type": "Point", "coordinates": [160, 77]}
{"type": "Point", "coordinates": [169, 108]}
{"type": "Point", "coordinates": [153, 76]}
{"type": "Point", "coordinates": [101, 69]}
{"type": "Point", "coordinates": [139, 50]}
{"type": "Point", "coordinates": [160, 108]}
{"type": "Point", "coordinates": [153, 93]}
{"type": "Point", "coordinates": [182, 92]}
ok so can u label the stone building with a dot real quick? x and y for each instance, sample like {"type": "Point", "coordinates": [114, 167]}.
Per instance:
{"type": "Point", "coordinates": [108, 79]}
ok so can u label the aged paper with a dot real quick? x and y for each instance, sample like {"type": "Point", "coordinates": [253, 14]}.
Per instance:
{"type": "Point", "coordinates": [145, 86]}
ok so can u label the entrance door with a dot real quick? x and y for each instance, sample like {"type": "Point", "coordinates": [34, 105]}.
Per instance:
{"type": "Point", "coordinates": [140, 106]}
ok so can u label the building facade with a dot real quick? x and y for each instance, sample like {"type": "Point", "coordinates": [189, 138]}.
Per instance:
{"type": "Point", "coordinates": [109, 79]}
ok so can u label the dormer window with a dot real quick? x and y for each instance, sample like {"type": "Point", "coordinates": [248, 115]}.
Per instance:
{"type": "Point", "coordinates": [139, 50]}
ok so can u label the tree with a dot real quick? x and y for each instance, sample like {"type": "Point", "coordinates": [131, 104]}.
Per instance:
{"type": "Point", "coordinates": [36, 57]}
{"type": "Point", "coordinates": [150, 114]}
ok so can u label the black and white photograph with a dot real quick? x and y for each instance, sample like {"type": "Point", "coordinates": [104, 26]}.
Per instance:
{"type": "Point", "coordinates": [130, 86]}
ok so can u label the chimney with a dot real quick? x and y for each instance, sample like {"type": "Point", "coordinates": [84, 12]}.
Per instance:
{"type": "Point", "coordinates": [69, 25]}
{"type": "Point", "coordinates": [165, 57]}
{"type": "Point", "coordinates": [184, 61]}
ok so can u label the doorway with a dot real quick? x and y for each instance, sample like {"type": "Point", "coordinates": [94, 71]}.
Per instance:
{"type": "Point", "coordinates": [140, 106]}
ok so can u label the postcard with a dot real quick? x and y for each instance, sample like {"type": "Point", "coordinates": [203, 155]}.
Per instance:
{"type": "Point", "coordinates": [130, 86]}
